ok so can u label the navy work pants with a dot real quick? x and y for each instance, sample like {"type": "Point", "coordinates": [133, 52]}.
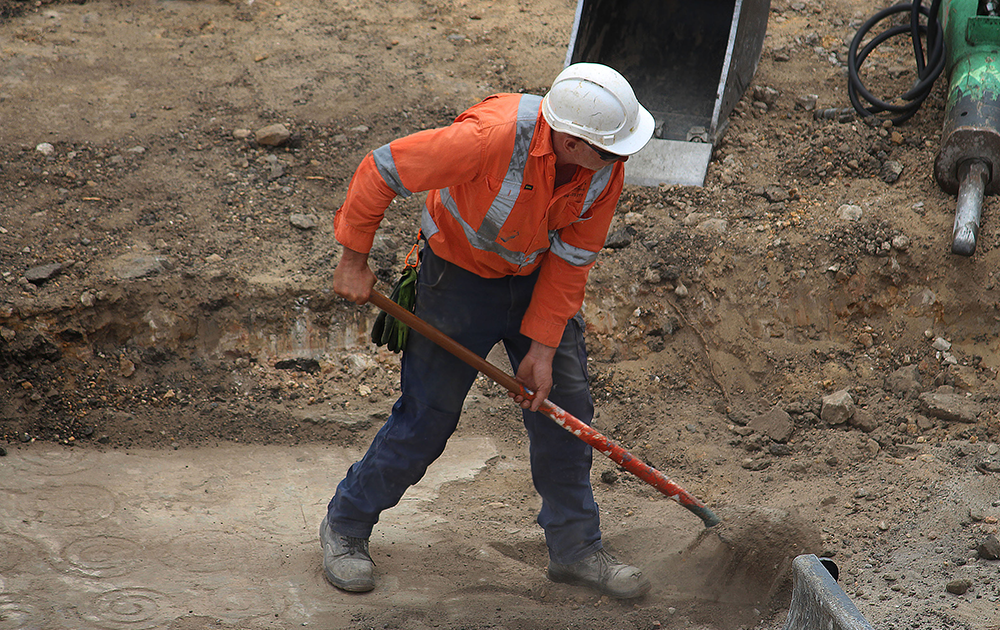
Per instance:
{"type": "Point", "coordinates": [477, 312]}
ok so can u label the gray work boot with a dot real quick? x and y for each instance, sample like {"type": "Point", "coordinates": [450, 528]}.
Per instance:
{"type": "Point", "coordinates": [346, 562]}
{"type": "Point", "coordinates": [601, 571]}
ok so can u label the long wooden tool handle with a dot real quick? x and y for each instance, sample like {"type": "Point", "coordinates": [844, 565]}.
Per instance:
{"type": "Point", "coordinates": [562, 417]}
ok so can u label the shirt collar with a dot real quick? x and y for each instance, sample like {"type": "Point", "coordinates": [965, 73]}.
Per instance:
{"type": "Point", "coordinates": [542, 142]}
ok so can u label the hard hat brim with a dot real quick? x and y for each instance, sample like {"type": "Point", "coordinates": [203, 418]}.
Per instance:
{"type": "Point", "coordinates": [635, 141]}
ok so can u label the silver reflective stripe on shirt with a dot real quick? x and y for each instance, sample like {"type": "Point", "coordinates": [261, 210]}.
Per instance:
{"type": "Point", "coordinates": [577, 256]}
{"type": "Point", "coordinates": [387, 169]}
{"type": "Point", "coordinates": [475, 238]}
{"type": "Point", "coordinates": [485, 238]}
{"type": "Point", "coordinates": [527, 118]}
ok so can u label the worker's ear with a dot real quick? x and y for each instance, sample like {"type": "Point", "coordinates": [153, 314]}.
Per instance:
{"type": "Point", "coordinates": [568, 143]}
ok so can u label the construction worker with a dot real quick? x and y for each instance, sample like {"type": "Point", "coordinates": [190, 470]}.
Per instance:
{"type": "Point", "coordinates": [522, 190]}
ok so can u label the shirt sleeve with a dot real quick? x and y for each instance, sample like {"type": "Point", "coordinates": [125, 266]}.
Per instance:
{"type": "Point", "coordinates": [562, 280]}
{"type": "Point", "coordinates": [426, 160]}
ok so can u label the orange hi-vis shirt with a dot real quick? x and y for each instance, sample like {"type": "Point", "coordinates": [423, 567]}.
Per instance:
{"type": "Point", "coordinates": [493, 207]}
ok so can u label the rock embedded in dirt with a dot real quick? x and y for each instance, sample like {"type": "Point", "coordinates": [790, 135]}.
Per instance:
{"type": "Point", "coordinates": [959, 587]}
{"type": "Point", "coordinates": [850, 212]}
{"type": "Point", "coordinates": [965, 377]}
{"type": "Point", "coordinates": [941, 344]}
{"type": "Point", "coordinates": [620, 239]}
{"type": "Point", "coordinates": [953, 407]}
{"type": "Point", "coordinates": [303, 221]}
{"type": "Point", "coordinates": [126, 367]}
{"type": "Point", "coordinates": [864, 420]}
{"type": "Point", "coordinates": [775, 424]}
{"type": "Point", "coordinates": [780, 450]}
{"type": "Point", "coordinates": [989, 549]}
{"type": "Point", "coordinates": [891, 171]}
{"type": "Point", "coordinates": [133, 266]}
{"type": "Point", "coordinates": [775, 194]}
{"type": "Point", "coordinates": [42, 273]}
{"type": "Point", "coordinates": [837, 408]}
{"type": "Point", "coordinates": [756, 465]}
{"type": "Point", "coordinates": [272, 135]}
{"type": "Point", "coordinates": [905, 381]}
{"type": "Point", "coordinates": [715, 226]}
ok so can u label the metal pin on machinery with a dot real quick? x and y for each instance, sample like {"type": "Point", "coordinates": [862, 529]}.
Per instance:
{"type": "Point", "coordinates": [968, 162]}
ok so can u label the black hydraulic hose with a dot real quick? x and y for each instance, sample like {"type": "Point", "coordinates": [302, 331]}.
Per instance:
{"type": "Point", "coordinates": [929, 67]}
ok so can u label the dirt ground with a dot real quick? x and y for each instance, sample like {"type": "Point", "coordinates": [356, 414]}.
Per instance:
{"type": "Point", "coordinates": [165, 284]}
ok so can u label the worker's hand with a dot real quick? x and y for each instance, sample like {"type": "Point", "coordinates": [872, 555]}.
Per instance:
{"type": "Point", "coordinates": [535, 374]}
{"type": "Point", "coordinates": [353, 279]}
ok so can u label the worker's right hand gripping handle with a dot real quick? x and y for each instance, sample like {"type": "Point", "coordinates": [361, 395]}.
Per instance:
{"type": "Point", "coordinates": [561, 417]}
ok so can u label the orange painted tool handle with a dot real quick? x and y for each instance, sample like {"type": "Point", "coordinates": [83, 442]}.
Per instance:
{"type": "Point", "coordinates": [561, 417]}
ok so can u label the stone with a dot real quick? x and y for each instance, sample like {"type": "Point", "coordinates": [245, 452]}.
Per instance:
{"type": "Point", "coordinates": [303, 221]}
{"type": "Point", "coordinates": [272, 135]}
{"type": "Point", "coordinates": [863, 420]}
{"type": "Point", "coordinates": [958, 587]}
{"type": "Point", "coordinates": [755, 464]}
{"type": "Point", "coordinates": [891, 171]}
{"type": "Point", "coordinates": [694, 218]}
{"type": "Point", "coordinates": [766, 94]}
{"type": "Point", "coordinates": [133, 266]}
{"type": "Point", "coordinates": [837, 408]}
{"type": "Point", "coordinates": [42, 273]}
{"type": "Point", "coordinates": [776, 194]}
{"type": "Point", "coordinates": [952, 407]}
{"type": "Point", "coordinates": [716, 226]}
{"type": "Point", "coordinates": [848, 212]}
{"type": "Point", "coordinates": [989, 549]}
{"type": "Point", "coordinates": [775, 424]}
{"type": "Point", "coordinates": [619, 239]}
{"type": "Point", "coordinates": [126, 367]}
{"type": "Point", "coordinates": [965, 377]}
{"type": "Point", "coordinates": [941, 344]}
{"type": "Point", "coordinates": [807, 101]}
{"type": "Point", "coordinates": [780, 450]}
{"type": "Point", "coordinates": [905, 381]}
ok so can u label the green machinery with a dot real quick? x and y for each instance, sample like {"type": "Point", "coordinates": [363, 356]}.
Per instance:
{"type": "Point", "coordinates": [962, 37]}
{"type": "Point", "coordinates": [969, 159]}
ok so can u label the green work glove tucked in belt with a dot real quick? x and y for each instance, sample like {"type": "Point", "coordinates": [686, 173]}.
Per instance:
{"type": "Point", "coordinates": [389, 331]}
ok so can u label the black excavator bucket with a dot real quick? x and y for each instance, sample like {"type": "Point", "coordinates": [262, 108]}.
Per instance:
{"type": "Point", "coordinates": [689, 62]}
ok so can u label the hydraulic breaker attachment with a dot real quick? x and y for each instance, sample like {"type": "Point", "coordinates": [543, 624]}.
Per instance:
{"type": "Point", "coordinates": [968, 163]}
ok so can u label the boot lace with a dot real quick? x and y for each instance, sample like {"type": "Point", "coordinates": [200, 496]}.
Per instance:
{"type": "Point", "coordinates": [354, 546]}
{"type": "Point", "coordinates": [605, 563]}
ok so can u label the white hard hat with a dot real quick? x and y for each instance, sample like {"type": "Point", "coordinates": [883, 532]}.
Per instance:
{"type": "Point", "coordinates": [594, 102]}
